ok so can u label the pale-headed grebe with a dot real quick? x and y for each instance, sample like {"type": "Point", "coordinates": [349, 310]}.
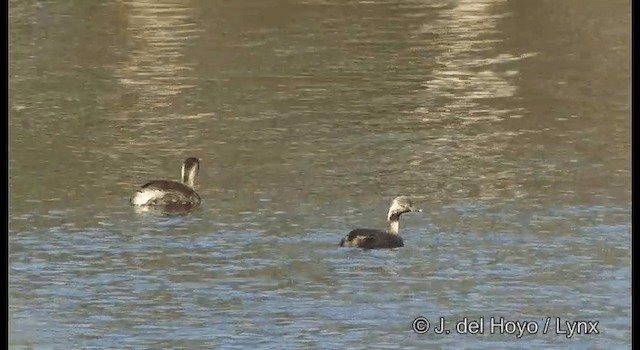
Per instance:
{"type": "Point", "coordinates": [171, 193]}
{"type": "Point", "coordinates": [375, 239]}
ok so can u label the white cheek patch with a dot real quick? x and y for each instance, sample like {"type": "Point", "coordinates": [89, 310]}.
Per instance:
{"type": "Point", "coordinates": [145, 196]}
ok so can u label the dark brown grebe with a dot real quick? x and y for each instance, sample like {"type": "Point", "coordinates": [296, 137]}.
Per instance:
{"type": "Point", "coordinates": [171, 193]}
{"type": "Point", "coordinates": [375, 239]}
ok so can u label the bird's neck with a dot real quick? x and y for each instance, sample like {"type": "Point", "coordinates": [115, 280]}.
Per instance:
{"type": "Point", "coordinates": [188, 177]}
{"type": "Point", "coordinates": [394, 225]}
{"type": "Point", "coordinates": [189, 181]}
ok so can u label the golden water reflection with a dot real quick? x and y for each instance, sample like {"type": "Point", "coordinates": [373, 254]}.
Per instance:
{"type": "Point", "coordinates": [156, 69]}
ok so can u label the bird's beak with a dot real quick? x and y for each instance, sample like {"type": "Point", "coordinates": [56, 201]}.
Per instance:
{"type": "Point", "coordinates": [416, 210]}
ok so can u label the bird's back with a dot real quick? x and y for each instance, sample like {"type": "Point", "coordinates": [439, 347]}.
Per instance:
{"type": "Point", "coordinates": [165, 192]}
{"type": "Point", "coordinates": [371, 239]}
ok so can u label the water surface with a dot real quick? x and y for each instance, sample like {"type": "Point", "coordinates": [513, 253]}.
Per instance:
{"type": "Point", "coordinates": [507, 122]}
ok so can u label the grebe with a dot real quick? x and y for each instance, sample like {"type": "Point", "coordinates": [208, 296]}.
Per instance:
{"type": "Point", "coordinates": [171, 193]}
{"type": "Point", "coordinates": [375, 239]}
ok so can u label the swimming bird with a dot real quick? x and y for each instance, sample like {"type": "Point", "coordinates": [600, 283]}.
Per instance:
{"type": "Point", "coordinates": [171, 193]}
{"type": "Point", "coordinates": [376, 239]}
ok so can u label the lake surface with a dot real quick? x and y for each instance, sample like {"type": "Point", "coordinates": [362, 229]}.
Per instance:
{"type": "Point", "coordinates": [507, 122]}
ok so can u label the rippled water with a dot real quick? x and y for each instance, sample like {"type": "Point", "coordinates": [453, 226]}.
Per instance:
{"type": "Point", "coordinates": [508, 123]}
